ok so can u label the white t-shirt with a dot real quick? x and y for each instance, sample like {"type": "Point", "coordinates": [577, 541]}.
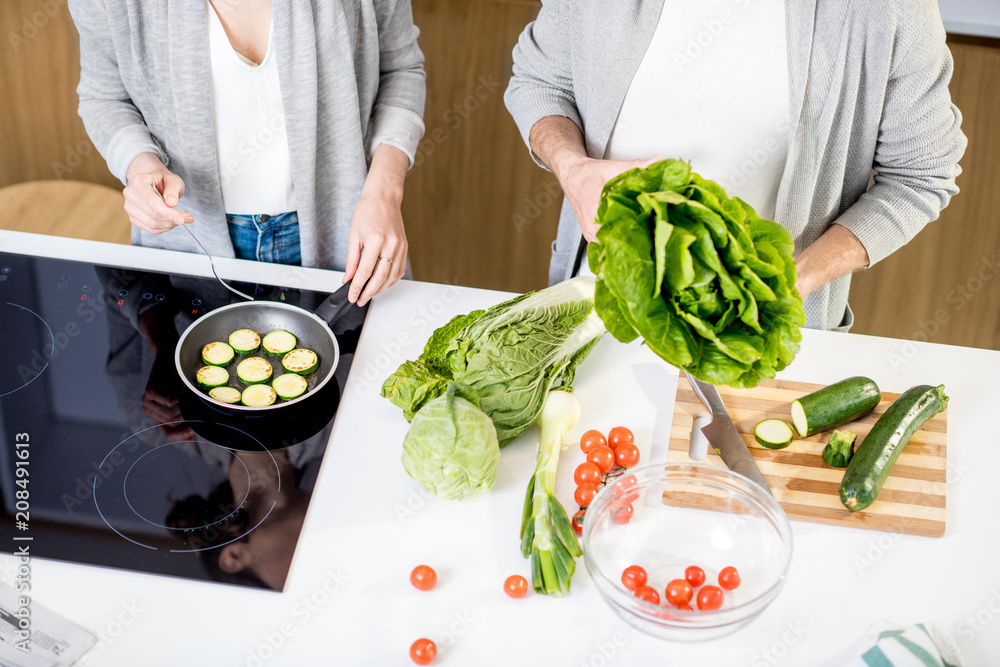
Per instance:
{"type": "Point", "coordinates": [712, 89]}
{"type": "Point", "coordinates": [250, 137]}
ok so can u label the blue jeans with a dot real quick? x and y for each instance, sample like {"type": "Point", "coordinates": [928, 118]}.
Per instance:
{"type": "Point", "coordinates": [266, 238]}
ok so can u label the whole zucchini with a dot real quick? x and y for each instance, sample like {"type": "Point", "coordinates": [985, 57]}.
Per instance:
{"type": "Point", "coordinates": [834, 405]}
{"type": "Point", "coordinates": [871, 463]}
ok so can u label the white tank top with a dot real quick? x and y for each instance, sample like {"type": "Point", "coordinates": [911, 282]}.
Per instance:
{"type": "Point", "coordinates": [712, 89]}
{"type": "Point", "coordinates": [250, 137]}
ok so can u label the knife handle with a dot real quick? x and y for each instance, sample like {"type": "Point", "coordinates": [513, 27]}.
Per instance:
{"type": "Point", "coordinates": [699, 443]}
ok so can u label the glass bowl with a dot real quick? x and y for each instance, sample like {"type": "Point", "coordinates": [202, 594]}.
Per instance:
{"type": "Point", "coordinates": [687, 514]}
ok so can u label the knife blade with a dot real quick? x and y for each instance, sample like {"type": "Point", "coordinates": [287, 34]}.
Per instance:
{"type": "Point", "coordinates": [723, 436]}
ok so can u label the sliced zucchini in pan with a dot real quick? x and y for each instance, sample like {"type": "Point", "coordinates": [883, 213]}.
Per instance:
{"type": "Point", "coordinates": [244, 341]}
{"type": "Point", "coordinates": [259, 396]}
{"type": "Point", "coordinates": [225, 394]}
{"type": "Point", "coordinates": [289, 386]}
{"type": "Point", "coordinates": [300, 361]}
{"type": "Point", "coordinates": [254, 371]}
{"type": "Point", "coordinates": [279, 343]}
{"type": "Point", "coordinates": [217, 354]}
{"type": "Point", "coordinates": [210, 377]}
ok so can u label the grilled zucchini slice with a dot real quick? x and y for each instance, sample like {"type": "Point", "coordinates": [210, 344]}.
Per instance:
{"type": "Point", "coordinates": [244, 341]}
{"type": "Point", "coordinates": [217, 354]}
{"type": "Point", "coordinates": [279, 343]}
{"type": "Point", "coordinates": [259, 396]}
{"type": "Point", "coordinates": [210, 377]}
{"type": "Point", "coordinates": [300, 361]}
{"type": "Point", "coordinates": [225, 394]}
{"type": "Point", "coordinates": [289, 386]}
{"type": "Point", "coordinates": [254, 371]}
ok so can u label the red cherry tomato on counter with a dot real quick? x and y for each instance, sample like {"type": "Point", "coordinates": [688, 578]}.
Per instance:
{"type": "Point", "coordinates": [591, 439]}
{"type": "Point", "coordinates": [648, 593]}
{"type": "Point", "coordinates": [695, 576]}
{"type": "Point", "coordinates": [584, 494]}
{"type": "Point", "coordinates": [622, 513]}
{"type": "Point", "coordinates": [578, 521]}
{"type": "Point", "coordinates": [729, 578]}
{"type": "Point", "coordinates": [587, 473]}
{"type": "Point", "coordinates": [602, 457]}
{"type": "Point", "coordinates": [423, 651]}
{"type": "Point", "coordinates": [627, 455]}
{"type": "Point", "coordinates": [679, 592]}
{"type": "Point", "coordinates": [633, 577]}
{"type": "Point", "coordinates": [618, 436]}
{"type": "Point", "coordinates": [710, 598]}
{"type": "Point", "coordinates": [515, 586]}
{"type": "Point", "coordinates": [423, 577]}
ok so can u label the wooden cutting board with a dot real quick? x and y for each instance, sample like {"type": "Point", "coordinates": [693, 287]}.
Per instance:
{"type": "Point", "coordinates": [912, 500]}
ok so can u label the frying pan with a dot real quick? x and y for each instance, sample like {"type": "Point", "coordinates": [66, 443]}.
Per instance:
{"type": "Point", "coordinates": [314, 330]}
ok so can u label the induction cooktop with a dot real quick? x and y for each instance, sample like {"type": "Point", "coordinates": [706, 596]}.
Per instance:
{"type": "Point", "coordinates": [107, 460]}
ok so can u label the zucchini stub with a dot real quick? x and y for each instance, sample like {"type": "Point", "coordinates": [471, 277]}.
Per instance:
{"type": "Point", "coordinates": [300, 361]}
{"type": "Point", "coordinates": [839, 449]}
{"type": "Point", "coordinates": [289, 386]}
{"type": "Point", "coordinates": [210, 377]}
{"type": "Point", "coordinates": [871, 463]}
{"type": "Point", "coordinates": [834, 405]}
{"type": "Point", "coordinates": [279, 343]}
{"type": "Point", "coordinates": [244, 341]}
{"type": "Point", "coordinates": [773, 433]}
{"type": "Point", "coordinates": [259, 396]}
{"type": "Point", "coordinates": [254, 371]}
{"type": "Point", "coordinates": [217, 354]}
{"type": "Point", "coordinates": [225, 394]}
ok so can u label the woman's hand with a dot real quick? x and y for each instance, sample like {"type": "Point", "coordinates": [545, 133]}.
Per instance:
{"type": "Point", "coordinates": [377, 252]}
{"type": "Point", "coordinates": [583, 178]}
{"type": "Point", "coordinates": [145, 208]}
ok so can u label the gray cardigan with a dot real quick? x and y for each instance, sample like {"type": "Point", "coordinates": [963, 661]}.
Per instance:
{"type": "Point", "coordinates": [352, 77]}
{"type": "Point", "coordinates": [868, 91]}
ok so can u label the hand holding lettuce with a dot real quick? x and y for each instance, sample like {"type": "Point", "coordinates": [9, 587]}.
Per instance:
{"type": "Point", "coordinates": [707, 283]}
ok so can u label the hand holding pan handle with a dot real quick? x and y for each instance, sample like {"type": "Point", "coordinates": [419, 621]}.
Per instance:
{"type": "Point", "coordinates": [336, 305]}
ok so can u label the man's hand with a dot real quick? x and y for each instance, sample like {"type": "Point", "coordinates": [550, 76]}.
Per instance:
{"type": "Point", "coordinates": [145, 208]}
{"type": "Point", "coordinates": [377, 243]}
{"type": "Point", "coordinates": [834, 254]}
{"type": "Point", "coordinates": [558, 143]}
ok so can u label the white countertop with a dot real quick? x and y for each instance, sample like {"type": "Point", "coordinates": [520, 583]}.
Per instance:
{"type": "Point", "coordinates": [971, 17]}
{"type": "Point", "coordinates": [348, 599]}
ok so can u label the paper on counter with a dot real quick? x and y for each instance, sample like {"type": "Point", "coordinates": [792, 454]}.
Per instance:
{"type": "Point", "coordinates": [54, 641]}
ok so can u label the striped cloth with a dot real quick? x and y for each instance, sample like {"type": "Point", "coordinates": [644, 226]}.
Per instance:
{"type": "Point", "coordinates": [915, 646]}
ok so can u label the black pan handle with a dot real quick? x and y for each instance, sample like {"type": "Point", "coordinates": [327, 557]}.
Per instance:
{"type": "Point", "coordinates": [336, 305]}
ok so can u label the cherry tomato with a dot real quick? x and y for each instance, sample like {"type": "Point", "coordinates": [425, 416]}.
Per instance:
{"type": "Point", "coordinates": [709, 598]}
{"type": "Point", "coordinates": [592, 439]}
{"type": "Point", "coordinates": [648, 593]}
{"type": "Point", "coordinates": [423, 651]}
{"type": "Point", "coordinates": [695, 576]}
{"type": "Point", "coordinates": [685, 607]}
{"type": "Point", "coordinates": [578, 521]}
{"type": "Point", "coordinates": [423, 577]}
{"type": "Point", "coordinates": [515, 586]}
{"type": "Point", "coordinates": [626, 486]}
{"type": "Point", "coordinates": [633, 577]}
{"type": "Point", "coordinates": [584, 494]}
{"type": "Point", "coordinates": [679, 592]}
{"type": "Point", "coordinates": [602, 457]}
{"type": "Point", "coordinates": [729, 578]}
{"type": "Point", "coordinates": [622, 513]}
{"type": "Point", "coordinates": [627, 455]}
{"type": "Point", "coordinates": [618, 436]}
{"type": "Point", "coordinates": [587, 473]}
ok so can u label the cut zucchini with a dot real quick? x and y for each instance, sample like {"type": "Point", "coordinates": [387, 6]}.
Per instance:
{"type": "Point", "coordinates": [773, 433]}
{"type": "Point", "coordinates": [300, 361]}
{"type": "Point", "coordinates": [217, 354]}
{"type": "Point", "coordinates": [259, 396]}
{"type": "Point", "coordinates": [254, 371]}
{"type": "Point", "coordinates": [840, 449]}
{"type": "Point", "coordinates": [289, 386]}
{"type": "Point", "coordinates": [244, 341]}
{"type": "Point", "coordinates": [210, 377]}
{"type": "Point", "coordinates": [279, 343]}
{"type": "Point", "coordinates": [834, 405]}
{"type": "Point", "coordinates": [225, 394]}
{"type": "Point", "coordinates": [870, 465]}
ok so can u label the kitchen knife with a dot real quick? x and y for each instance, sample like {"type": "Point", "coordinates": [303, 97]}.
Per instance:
{"type": "Point", "coordinates": [723, 436]}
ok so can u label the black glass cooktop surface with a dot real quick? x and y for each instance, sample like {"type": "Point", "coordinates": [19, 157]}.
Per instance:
{"type": "Point", "coordinates": [107, 459]}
